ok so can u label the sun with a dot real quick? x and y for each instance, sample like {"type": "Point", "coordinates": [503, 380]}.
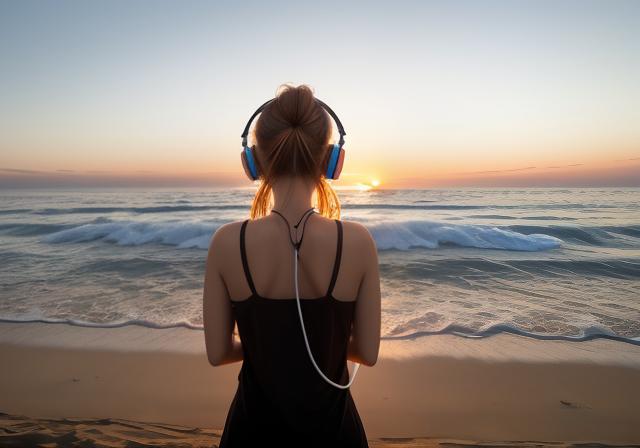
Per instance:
{"type": "Point", "coordinates": [366, 186]}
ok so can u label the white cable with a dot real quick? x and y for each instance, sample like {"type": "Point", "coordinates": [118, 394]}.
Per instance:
{"type": "Point", "coordinates": [304, 332]}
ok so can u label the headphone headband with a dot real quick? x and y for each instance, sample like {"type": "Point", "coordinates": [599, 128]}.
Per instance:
{"type": "Point", "coordinates": [325, 107]}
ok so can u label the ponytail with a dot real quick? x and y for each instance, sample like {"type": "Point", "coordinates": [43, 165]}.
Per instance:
{"type": "Point", "coordinates": [326, 200]}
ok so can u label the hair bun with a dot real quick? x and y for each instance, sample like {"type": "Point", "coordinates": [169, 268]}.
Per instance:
{"type": "Point", "coordinates": [292, 134]}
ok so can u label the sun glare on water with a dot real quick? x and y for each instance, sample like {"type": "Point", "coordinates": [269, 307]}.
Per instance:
{"type": "Point", "coordinates": [366, 186]}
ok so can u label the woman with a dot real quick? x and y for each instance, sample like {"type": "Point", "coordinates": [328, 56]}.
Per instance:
{"type": "Point", "coordinates": [249, 280]}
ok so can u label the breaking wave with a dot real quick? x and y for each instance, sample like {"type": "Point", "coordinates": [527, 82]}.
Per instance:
{"type": "Point", "coordinates": [402, 235]}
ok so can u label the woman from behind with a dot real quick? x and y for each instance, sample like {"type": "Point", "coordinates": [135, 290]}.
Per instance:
{"type": "Point", "coordinates": [301, 285]}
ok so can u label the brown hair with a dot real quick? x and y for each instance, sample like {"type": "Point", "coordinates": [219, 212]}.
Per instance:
{"type": "Point", "coordinates": [292, 136]}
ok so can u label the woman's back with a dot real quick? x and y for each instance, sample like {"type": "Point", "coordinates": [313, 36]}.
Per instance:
{"type": "Point", "coordinates": [279, 390]}
{"type": "Point", "coordinates": [270, 259]}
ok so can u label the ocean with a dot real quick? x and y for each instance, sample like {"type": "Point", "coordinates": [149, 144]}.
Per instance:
{"type": "Point", "coordinates": [543, 263]}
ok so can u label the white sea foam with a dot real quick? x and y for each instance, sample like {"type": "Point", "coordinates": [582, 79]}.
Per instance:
{"type": "Point", "coordinates": [402, 235]}
{"type": "Point", "coordinates": [431, 234]}
{"type": "Point", "coordinates": [129, 233]}
{"type": "Point", "coordinates": [587, 334]}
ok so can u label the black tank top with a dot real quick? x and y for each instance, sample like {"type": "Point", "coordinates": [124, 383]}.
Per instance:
{"type": "Point", "coordinates": [281, 398]}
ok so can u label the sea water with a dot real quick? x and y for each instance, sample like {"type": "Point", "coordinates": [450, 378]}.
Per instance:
{"type": "Point", "coordinates": [544, 263]}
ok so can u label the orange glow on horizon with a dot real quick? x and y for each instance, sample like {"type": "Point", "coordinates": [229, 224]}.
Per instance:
{"type": "Point", "coordinates": [615, 172]}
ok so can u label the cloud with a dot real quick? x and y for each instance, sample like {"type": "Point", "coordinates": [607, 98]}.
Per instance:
{"type": "Point", "coordinates": [19, 178]}
{"type": "Point", "coordinates": [633, 159]}
{"type": "Point", "coordinates": [597, 176]}
{"type": "Point", "coordinates": [19, 171]}
{"type": "Point", "coordinates": [565, 166]}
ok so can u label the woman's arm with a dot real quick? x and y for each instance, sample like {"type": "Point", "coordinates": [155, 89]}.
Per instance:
{"type": "Point", "coordinates": [364, 344]}
{"type": "Point", "coordinates": [222, 347]}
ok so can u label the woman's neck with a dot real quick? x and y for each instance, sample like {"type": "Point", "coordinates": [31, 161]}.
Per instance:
{"type": "Point", "coordinates": [292, 196]}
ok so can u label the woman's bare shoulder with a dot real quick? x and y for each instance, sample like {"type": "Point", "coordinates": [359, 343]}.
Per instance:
{"type": "Point", "coordinates": [358, 233]}
{"type": "Point", "coordinates": [226, 236]}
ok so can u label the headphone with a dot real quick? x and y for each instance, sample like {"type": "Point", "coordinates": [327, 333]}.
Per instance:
{"type": "Point", "coordinates": [336, 155]}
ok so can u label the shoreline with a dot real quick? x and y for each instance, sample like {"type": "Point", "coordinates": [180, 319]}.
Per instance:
{"type": "Point", "coordinates": [500, 388]}
{"type": "Point", "coordinates": [588, 334]}
{"type": "Point", "coordinates": [497, 347]}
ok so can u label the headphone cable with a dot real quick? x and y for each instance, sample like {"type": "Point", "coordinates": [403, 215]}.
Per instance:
{"type": "Point", "coordinates": [296, 247]}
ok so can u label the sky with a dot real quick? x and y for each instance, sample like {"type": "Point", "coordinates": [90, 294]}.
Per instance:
{"type": "Point", "coordinates": [431, 94]}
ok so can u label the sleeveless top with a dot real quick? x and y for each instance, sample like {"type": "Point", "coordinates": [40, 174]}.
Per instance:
{"type": "Point", "coordinates": [281, 398]}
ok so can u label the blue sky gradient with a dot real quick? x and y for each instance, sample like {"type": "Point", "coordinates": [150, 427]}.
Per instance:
{"type": "Point", "coordinates": [429, 92]}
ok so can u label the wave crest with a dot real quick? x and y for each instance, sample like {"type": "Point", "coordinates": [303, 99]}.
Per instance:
{"type": "Point", "coordinates": [402, 235]}
{"type": "Point", "coordinates": [126, 233]}
{"type": "Point", "coordinates": [427, 234]}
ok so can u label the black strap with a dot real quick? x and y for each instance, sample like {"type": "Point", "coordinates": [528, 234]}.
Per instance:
{"type": "Point", "coordinates": [243, 254]}
{"type": "Point", "coordinates": [336, 264]}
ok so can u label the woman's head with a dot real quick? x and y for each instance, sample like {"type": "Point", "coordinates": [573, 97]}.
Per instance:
{"type": "Point", "coordinates": [292, 137]}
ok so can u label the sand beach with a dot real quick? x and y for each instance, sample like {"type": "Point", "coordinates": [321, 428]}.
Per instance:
{"type": "Point", "coordinates": [62, 384]}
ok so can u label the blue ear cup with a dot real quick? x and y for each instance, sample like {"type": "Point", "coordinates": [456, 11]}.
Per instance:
{"type": "Point", "coordinates": [333, 161]}
{"type": "Point", "coordinates": [251, 163]}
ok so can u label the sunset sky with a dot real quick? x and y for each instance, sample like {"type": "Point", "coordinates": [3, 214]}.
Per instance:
{"type": "Point", "coordinates": [451, 93]}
